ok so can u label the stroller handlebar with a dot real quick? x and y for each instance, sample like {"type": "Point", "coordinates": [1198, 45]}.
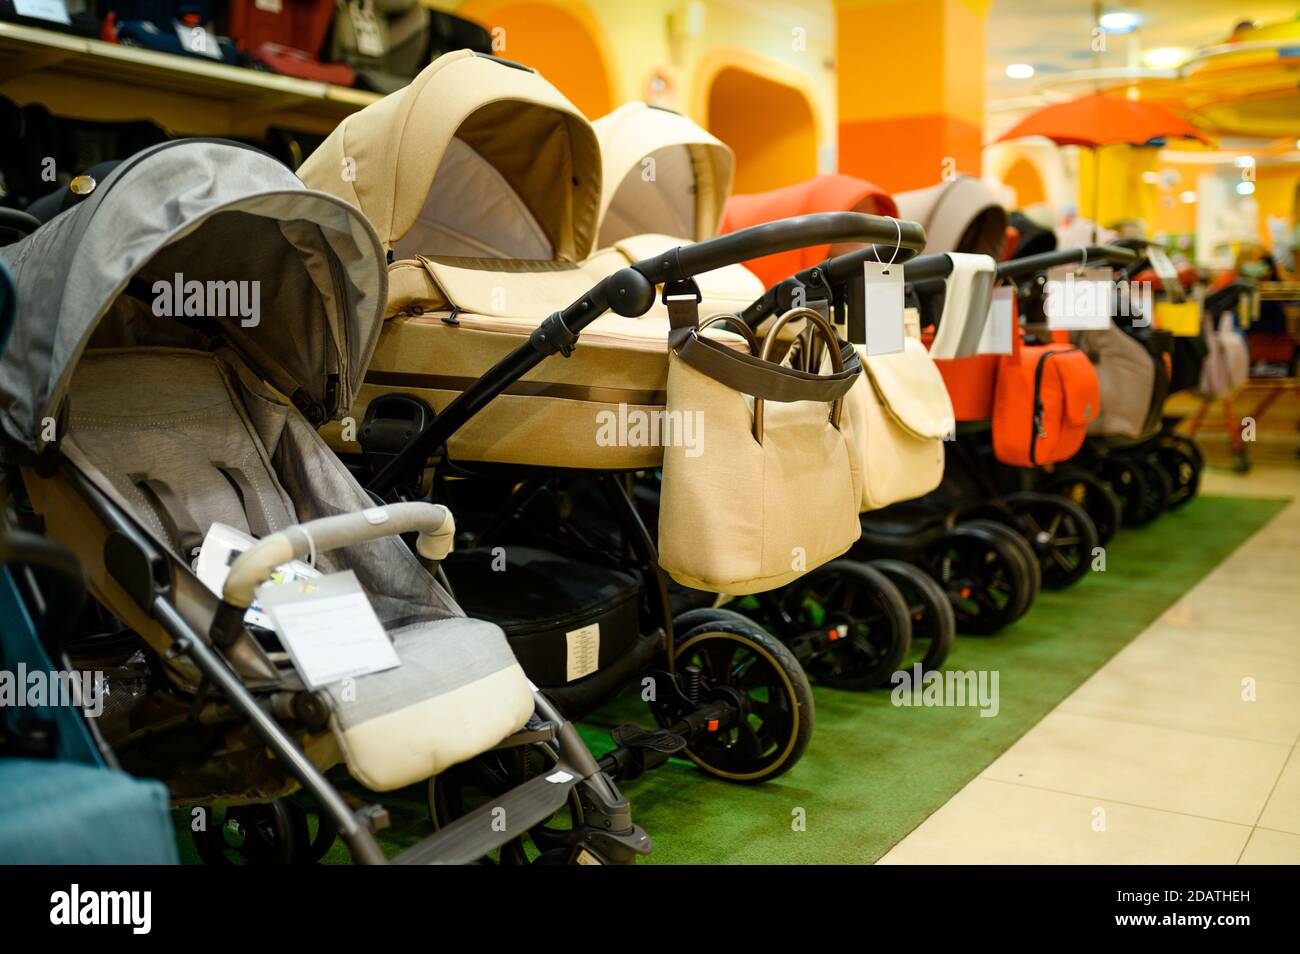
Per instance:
{"type": "Point", "coordinates": [783, 235]}
{"type": "Point", "coordinates": [1099, 254]}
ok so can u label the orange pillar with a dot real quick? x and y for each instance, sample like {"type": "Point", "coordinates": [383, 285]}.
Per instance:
{"type": "Point", "coordinates": [910, 77]}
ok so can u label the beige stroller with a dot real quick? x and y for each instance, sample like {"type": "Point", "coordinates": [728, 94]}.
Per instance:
{"type": "Point", "coordinates": [162, 320]}
{"type": "Point", "coordinates": [960, 215]}
{"type": "Point", "coordinates": [487, 239]}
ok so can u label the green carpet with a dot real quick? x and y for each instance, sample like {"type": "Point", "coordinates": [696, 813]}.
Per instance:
{"type": "Point", "coordinates": [875, 771]}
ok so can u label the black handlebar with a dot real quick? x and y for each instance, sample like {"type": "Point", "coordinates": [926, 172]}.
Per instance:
{"type": "Point", "coordinates": [1099, 254]}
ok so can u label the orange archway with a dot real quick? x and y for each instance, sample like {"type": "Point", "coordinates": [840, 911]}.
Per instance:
{"type": "Point", "coordinates": [563, 43]}
{"type": "Point", "coordinates": [769, 125]}
{"type": "Point", "coordinates": [1028, 184]}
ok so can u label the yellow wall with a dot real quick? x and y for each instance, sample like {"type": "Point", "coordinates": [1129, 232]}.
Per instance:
{"type": "Point", "coordinates": [601, 54]}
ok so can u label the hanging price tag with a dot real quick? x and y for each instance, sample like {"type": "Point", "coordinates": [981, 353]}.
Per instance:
{"type": "Point", "coordinates": [370, 39]}
{"type": "Point", "coordinates": [1167, 274]}
{"type": "Point", "coordinates": [56, 11]}
{"type": "Point", "coordinates": [883, 294]}
{"type": "Point", "coordinates": [1079, 299]}
{"type": "Point", "coordinates": [999, 325]}
{"type": "Point", "coordinates": [270, 6]}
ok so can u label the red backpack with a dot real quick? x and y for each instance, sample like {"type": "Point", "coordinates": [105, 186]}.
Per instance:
{"type": "Point", "coordinates": [1045, 398]}
{"type": "Point", "coordinates": [286, 37]}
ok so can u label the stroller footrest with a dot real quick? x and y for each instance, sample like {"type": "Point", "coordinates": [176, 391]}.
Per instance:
{"type": "Point", "coordinates": [632, 736]}
{"type": "Point", "coordinates": [511, 815]}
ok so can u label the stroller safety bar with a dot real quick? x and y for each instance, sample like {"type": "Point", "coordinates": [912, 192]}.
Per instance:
{"type": "Point", "coordinates": [255, 565]}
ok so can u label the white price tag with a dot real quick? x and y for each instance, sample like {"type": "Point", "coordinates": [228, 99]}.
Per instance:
{"type": "Point", "coordinates": [370, 39]}
{"type": "Point", "coordinates": [56, 11]}
{"type": "Point", "coordinates": [1168, 275]}
{"type": "Point", "coordinates": [270, 6]}
{"type": "Point", "coordinates": [999, 327]}
{"type": "Point", "coordinates": [1079, 299]}
{"type": "Point", "coordinates": [583, 655]}
{"type": "Point", "coordinates": [221, 546]}
{"type": "Point", "coordinates": [883, 289]}
{"type": "Point", "coordinates": [329, 628]}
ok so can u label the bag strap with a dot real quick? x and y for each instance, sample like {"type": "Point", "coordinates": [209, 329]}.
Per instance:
{"type": "Point", "coordinates": [748, 373]}
{"type": "Point", "coordinates": [176, 519]}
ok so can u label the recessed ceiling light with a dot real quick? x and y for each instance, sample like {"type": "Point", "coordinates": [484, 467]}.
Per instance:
{"type": "Point", "coordinates": [1244, 162]}
{"type": "Point", "coordinates": [1118, 22]}
{"type": "Point", "coordinates": [1165, 57]}
{"type": "Point", "coordinates": [1151, 178]}
{"type": "Point", "coordinates": [1020, 71]}
{"type": "Point", "coordinates": [1188, 197]}
{"type": "Point", "coordinates": [1245, 188]}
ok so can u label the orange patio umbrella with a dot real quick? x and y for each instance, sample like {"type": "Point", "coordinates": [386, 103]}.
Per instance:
{"type": "Point", "coordinates": [1101, 120]}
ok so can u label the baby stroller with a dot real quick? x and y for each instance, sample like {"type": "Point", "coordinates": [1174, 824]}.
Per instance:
{"type": "Point", "coordinates": [132, 477]}
{"type": "Point", "coordinates": [666, 176]}
{"type": "Point", "coordinates": [725, 693]}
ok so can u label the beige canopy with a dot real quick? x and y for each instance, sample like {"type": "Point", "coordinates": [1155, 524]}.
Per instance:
{"type": "Point", "coordinates": [663, 175]}
{"type": "Point", "coordinates": [475, 159]}
{"type": "Point", "coordinates": [960, 215]}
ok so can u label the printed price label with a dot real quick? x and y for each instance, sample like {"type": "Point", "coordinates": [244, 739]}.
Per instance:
{"type": "Point", "coordinates": [883, 290]}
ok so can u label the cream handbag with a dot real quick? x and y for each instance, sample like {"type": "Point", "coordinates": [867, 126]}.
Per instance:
{"type": "Point", "coordinates": [896, 418]}
{"type": "Point", "coordinates": [770, 487]}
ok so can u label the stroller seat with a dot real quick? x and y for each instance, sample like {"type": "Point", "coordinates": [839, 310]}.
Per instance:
{"type": "Point", "coordinates": [200, 445]}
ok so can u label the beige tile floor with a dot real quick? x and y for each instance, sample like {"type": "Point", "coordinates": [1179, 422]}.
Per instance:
{"type": "Point", "coordinates": [1181, 749]}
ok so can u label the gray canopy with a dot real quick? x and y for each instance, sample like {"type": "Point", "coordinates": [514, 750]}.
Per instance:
{"type": "Point", "coordinates": [218, 214]}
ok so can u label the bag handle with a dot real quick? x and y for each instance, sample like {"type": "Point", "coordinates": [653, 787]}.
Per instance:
{"type": "Point", "coordinates": [747, 373]}
{"type": "Point", "coordinates": [823, 327]}
{"type": "Point", "coordinates": [735, 322]}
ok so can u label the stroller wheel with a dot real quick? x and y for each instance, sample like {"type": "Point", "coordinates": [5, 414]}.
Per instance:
{"type": "Point", "coordinates": [309, 847]}
{"type": "Point", "coordinates": [934, 627]}
{"type": "Point", "coordinates": [1029, 568]}
{"type": "Point", "coordinates": [248, 835]}
{"type": "Point", "coordinates": [1061, 532]}
{"type": "Point", "coordinates": [1184, 475]}
{"type": "Point", "coordinates": [1188, 447]}
{"type": "Point", "coordinates": [466, 787]}
{"type": "Point", "coordinates": [684, 622]}
{"type": "Point", "coordinates": [1095, 496]}
{"type": "Point", "coordinates": [847, 623]}
{"type": "Point", "coordinates": [1129, 481]}
{"type": "Point", "coordinates": [984, 576]}
{"type": "Point", "coordinates": [1160, 485]}
{"type": "Point", "coordinates": [746, 666]}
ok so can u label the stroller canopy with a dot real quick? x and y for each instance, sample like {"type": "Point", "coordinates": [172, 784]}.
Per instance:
{"type": "Point", "coordinates": [664, 175]}
{"type": "Point", "coordinates": [477, 158]}
{"type": "Point", "coordinates": [961, 215]}
{"type": "Point", "coordinates": [831, 193]}
{"type": "Point", "coordinates": [296, 278]}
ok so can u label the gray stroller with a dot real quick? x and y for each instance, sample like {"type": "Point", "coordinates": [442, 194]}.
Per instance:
{"type": "Point", "coordinates": [163, 320]}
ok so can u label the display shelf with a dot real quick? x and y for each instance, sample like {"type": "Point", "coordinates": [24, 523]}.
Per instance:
{"type": "Point", "coordinates": [90, 79]}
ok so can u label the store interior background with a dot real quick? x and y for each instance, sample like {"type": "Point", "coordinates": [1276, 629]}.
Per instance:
{"type": "Point", "coordinates": [900, 93]}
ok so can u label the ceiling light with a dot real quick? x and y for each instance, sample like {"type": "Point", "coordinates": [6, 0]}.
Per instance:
{"type": "Point", "coordinates": [1020, 71]}
{"type": "Point", "coordinates": [1188, 197]}
{"type": "Point", "coordinates": [1165, 57]}
{"type": "Point", "coordinates": [1151, 178]}
{"type": "Point", "coordinates": [1119, 22]}
{"type": "Point", "coordinates": [1244, 162]}
{"type": "Point", "coordinates": [1245, 187]}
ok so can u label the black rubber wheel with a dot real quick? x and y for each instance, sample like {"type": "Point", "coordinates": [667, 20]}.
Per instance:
{"type": "Point", "coordinates": [267, 834]}
{"type": "Point", "coordinates": [1184, 474]}
{"type": "Point", "coordinates": [309, 847]}
{"type": "Point", "coordinates": [468, 786]}
{"type": "Point", "coordinates": [1024, 555]}
{"type": "Point", "coordinates": [1062, 534]}
{"type": "Point", "coordinates": [1160, 485]}
{"type": "Point", "coordinates": [847, 624]}
{"type": "Point", "coordinates": [1129, 481]}
{"type": "Point", "coordinates": [1189, 447]}
{"type": "Point", "coordinates": [983, 575]}
{"type": "Point", "coordinates": [685, 622]}
{"type": "Point", "coordinates": [934, 628]}
{"type": "Point", "coordinates": [743, 664]}
{"type": "Point", "coordinates": [1092, 494]}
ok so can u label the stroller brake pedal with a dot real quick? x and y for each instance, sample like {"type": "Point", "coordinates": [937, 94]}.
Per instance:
{"type": "Point", "coordinates": [632, 736]}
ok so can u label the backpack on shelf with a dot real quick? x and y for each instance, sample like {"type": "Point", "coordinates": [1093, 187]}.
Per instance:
{"type": "Point", "coordinates": [286, 37]}
{"type": "Point", "coordinates": [388, 41]}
